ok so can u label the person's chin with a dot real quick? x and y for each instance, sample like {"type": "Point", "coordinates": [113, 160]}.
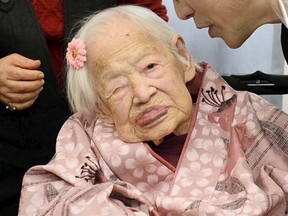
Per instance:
{"type": "Point", "coordinates": [212, 32]}
{"type": "Point", "coordinates": [215, 33]}
{"type": "Point", "coordinates": [231, 42]}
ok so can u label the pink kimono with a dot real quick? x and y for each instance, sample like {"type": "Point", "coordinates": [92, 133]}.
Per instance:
{"type": "Point", "coordinates": [234, 162]}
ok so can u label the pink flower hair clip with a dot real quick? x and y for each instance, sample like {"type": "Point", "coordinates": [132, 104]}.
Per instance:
{"type": "Point", "coordinates": [76, 53]}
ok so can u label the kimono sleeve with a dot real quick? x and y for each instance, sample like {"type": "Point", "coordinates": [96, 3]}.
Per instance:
{"type": "Point", "coordinates": [58, 189]}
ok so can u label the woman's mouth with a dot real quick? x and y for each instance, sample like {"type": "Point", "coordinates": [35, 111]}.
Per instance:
{"type": "Point", "coordinates": [151, 115]}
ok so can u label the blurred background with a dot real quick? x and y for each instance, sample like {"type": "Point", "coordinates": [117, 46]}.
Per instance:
{"type": "Point", "coordinates": [262, 51]}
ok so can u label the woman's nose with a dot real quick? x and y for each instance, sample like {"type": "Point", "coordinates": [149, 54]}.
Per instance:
{"type": "Point", "coordinates": [183, 10]}
{"type": "Point", "coordinates": [143, 92]}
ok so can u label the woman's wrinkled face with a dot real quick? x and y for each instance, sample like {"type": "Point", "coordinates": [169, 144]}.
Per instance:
{"type": "Point", "coordinates": [142, 85]}
{"type": "Point", "coordinates": [232, 20]}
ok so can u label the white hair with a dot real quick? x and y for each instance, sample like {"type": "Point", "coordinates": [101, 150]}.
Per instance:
{"type": "Point", "coordinates": [81, 91]}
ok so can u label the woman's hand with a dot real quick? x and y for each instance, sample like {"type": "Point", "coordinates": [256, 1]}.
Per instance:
{"type": "Point", "coordinates": [20, 81]}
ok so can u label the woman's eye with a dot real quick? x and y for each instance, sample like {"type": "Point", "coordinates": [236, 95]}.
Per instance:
{"type": "Point", "coordinates": [116, 90]}
{"type": "Point", "coordinates": [150, 66]}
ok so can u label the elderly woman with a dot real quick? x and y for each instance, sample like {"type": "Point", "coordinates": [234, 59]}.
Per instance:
{"type": "Point", "coordinates": [138, 144]}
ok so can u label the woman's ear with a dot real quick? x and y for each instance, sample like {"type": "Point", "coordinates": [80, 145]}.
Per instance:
{"type": "Point", "coordinates": [188, 64]}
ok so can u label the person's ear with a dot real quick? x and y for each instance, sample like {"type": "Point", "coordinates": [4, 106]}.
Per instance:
{"type": "Point", "coordinates": [188, 64]}
{"type": "Point", "coordinates": [101, 108]}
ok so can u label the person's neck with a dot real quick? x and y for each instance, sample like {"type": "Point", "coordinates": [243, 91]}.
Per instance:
{"type": "Point", "coordinates": [280, 10]}
{"type": "Point", "coordinates": [267, 13]}
{"type": "Point", "coordinates": [258, 13]}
